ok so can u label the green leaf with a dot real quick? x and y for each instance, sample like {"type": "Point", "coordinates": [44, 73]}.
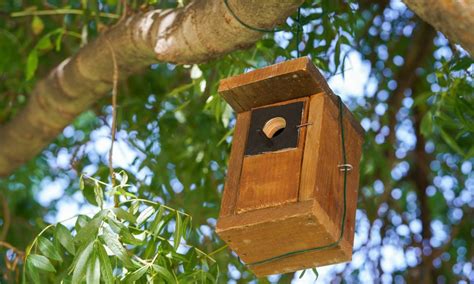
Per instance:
{"type": "Point", "coordinates": [154, 227]}
{"type": "Point", "coordinates": [93, 271]}
{"type": "Point", "coordinates": [48, 249]}
{"type": "Point", "coordinates": [80, 266]}
{"type": "Point", "coordinates": [164, 273]}
{"type": "Point", "coordinates": [32, 272]}
{"type": "Point", "coordinates": [105, 265]}
{"type": "Point", "coordinates": [426, 125]}
{"type": "Point", "coordinates": [134, 207]}
{"type": "Point", "coordinates": [124, 232]}
{"type": "Point", "coordinates": [177, 231]}
{"type": "Point", "coordinates": [41, 262]}
{"type": "Point", "coordinates": [31, 64]}
{"type": "Point", "coordinates": [44, 43]}
{"type": "Point", "coordinates": [316, 273]}
{"type": "Point", "coordinates": [184, 227]}
{"type": "Point", "coordinates": [124, 180]}
{"type": "Point", "coordinates": [65, 238]}
{"type": "Point", "coordinates": [81, 182]}
{"type": "Point", "coordinates": [137, 274]}
{"type": "Point", "coordinates": [113, 243]}
{"type": "Point", "coordinates": [452, 143]}
{"type": "Point", "coordinates": [150, 248]}
{"type": "Point", "coordinates": [99, 194]}
{"type": "Point", "coordinates": [144, 215]}
{"type": "Point", "coordinates": [124, 215]}
{"type": "Point", "coordinates": [90, 230]}
{"type": "Point", "coordinates": [82, 220]}
{"type": "Point", "coordinates": [37, 25]}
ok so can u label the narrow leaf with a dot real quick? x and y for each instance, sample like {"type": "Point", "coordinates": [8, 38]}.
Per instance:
{"type": "Point", "coordinates": [65, 238]}
{"type": "Point", "coordinates": [32, 272]}
{"type": "Point", "coordinates": [177, 231]}
{"type": "Point", "coordinates": [31, 64]}
{"type": "Point", "coordinates": [105, 265]}
{"type": "Point", "coordinates": [124, 215]}
{"type": "Point", "coordinates": [90, 230]}
{"type": "Point", "coordinates": [81, 221]}
{"type": "Point", "coordinates": [164, 273]}
{"type": "Point", "coordinates": [137, 274]}
{"type": "Point", "coordinates": [93, 271]}
{"type": "Point", "coordinates": [48, 249]}
{"type": "Point", "coordinates": [154, 227]}
{"type": "Point", "coordinates": [81, 264]}
{"type": "Point", "coordinates": [145, 215]}
{"type": "Point", "coordinates": [113, 243]}
{"type": "Point", "coordinates": [41, 262]}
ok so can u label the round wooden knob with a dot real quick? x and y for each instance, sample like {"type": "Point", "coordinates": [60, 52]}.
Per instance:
{"type": "Point", "coordinates": [274, 126]}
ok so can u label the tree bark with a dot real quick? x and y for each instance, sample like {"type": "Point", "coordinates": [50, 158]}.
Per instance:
{"type": "Point", "coordinates": [455, 19]}
{"type": "Point", "coordinates": [199, 32]}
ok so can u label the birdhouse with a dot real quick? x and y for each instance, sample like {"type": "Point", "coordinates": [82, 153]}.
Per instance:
{"type": "Point", "coordinates": [290, 195]}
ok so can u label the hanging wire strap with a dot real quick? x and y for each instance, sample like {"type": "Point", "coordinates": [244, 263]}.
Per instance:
{"type": "Point", "coordinates": [343, 219]}
{"type": "Point", "coordinates": [298, 27]}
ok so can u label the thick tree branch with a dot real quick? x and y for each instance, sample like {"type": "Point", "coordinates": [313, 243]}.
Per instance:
{"type": "Point", "coordinates": [455, 19]}
{"type": "Point", "coordinates": [201, 31]}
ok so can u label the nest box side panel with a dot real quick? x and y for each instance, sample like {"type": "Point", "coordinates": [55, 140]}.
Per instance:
{"type": "Point", "coordinates": [231, 188]}
{"type": "Point", "coordinates": [329, 188]}
{"type": "Point", "coordinates": [272, 178]}
{"type": "Point", "coordinates": [284, 81]}
{"type": "Point", "coordinates": [311, 149]}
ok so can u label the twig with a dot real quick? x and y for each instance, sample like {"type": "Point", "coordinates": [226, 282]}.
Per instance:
{"type": "Point", "coordinates": [59, 12]}
{"type": "Point", "coordinates": [114, 120]}
{"type": "Point", "coordinates": [6, 218]}
{"type": "Point", "coordinates": [11, 247]}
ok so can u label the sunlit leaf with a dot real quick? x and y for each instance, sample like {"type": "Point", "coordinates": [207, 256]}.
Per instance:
{"type": "Point", "coordinates": [105, 265]}
{"type": "Point", "coordinates": [144, 215]}
{"type": "Point", "coordinates": [41, 262]}
{"type": "Point", "coordinates": [80, 266]}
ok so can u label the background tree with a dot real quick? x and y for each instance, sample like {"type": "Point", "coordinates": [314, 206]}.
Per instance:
{"type": "Point", "coordinates": [417, 186]}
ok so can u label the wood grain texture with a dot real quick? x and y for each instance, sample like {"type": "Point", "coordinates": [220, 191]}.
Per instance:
{"type": "Point", "coordinates": [276, 83]}
{"type": "Point", "coordinates": [293, 199]}
{"type": "Point", "coordinates": [272, 178]}
{"type": "Point", "coordinates": [231, 188]}
{"type": "Point", "coordinates": [312, 145]}
{"type": "Point", "coordinates": [328, 191]}
{"type": "Point", "coordinates": [262, 234]}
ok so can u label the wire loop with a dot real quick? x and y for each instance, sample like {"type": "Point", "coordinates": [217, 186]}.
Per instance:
{"type": "Point", "coordinates": [345, 167]}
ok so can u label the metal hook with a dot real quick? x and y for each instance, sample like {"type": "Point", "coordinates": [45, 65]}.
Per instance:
{"type": "Point", "coordinates": [345, 167]}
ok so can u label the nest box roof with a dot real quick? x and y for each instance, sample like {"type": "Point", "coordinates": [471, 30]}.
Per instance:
{"type": "Point", "coordinates": [281, 82]}
{"type": "Point", "coordinates": [276, 83]}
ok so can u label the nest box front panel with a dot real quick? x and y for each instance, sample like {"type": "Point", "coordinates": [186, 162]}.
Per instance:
{"type": "Point", "coordinates": [271, 166]}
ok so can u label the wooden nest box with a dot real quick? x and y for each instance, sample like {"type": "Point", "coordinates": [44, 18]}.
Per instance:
{"type": "Point", "coordinates": [284, 203]}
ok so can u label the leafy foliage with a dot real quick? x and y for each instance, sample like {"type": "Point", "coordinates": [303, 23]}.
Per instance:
{"type": "Point", "coordinates": [140, 241]}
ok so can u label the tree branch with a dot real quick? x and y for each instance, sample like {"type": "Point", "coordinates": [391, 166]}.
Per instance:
{"type": "Point", "coordinates": [199, 32]}
{"type": "Point", "coordinates": [455, 19]}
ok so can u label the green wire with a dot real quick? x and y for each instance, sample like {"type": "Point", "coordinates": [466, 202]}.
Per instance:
{"type": "Point", "coordinates": [343, 221]}
{"type": "Point", "coordinates": [298, 28]}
